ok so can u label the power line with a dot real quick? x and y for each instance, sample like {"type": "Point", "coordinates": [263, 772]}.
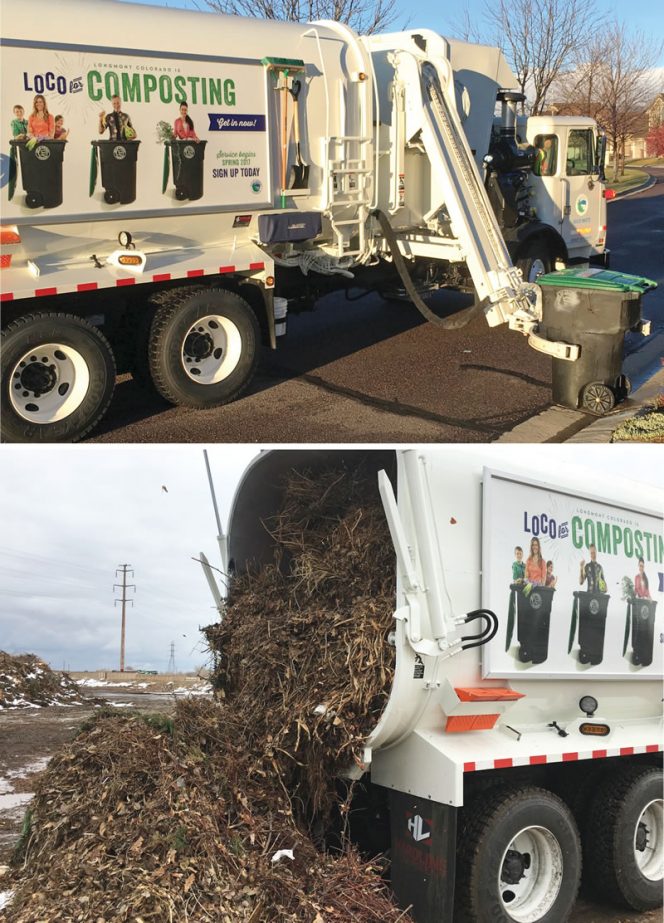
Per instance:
{"type": "Point", "coordinates": [124, 569]}
{"type": "Point", "coordinates": [171, 662]}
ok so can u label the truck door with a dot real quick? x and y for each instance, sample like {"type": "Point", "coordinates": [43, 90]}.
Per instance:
{"type": "Point", "coordinates": [581, 191]}
{"type": "Point", "coordinates": [547, 168]}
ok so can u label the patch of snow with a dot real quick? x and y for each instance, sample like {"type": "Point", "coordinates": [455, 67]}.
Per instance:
{"type": "Point", "coordinates": [25, 771]}
{"type": "Point", "coordinates": [5, 898]}
{"type": "Point", "coordinates": [93, 682]}
{"type": "Point", "coordinates": [5, 786]}
{"type": "Point", "coordinates": [14, 800]}
{"type": "Point", "coordinates": [121, 704]}
{"type": "Point", "coordinates": [193, 690]}
{"type": "Point", "coordinates": [282, 854]}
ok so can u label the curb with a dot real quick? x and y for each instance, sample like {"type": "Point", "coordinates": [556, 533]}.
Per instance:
{"type": "Point", "coordinates": [602, 430]}
{"type": "Point", "coordinates": [562, 424]}
{"type": "Point", "coordinates": [625, 195]}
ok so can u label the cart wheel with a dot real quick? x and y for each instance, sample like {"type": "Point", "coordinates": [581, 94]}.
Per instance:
{"type": "Point", "coordinates": [58, 375]}
{"type": "Point", "coordinates": [519, 858]}
{"type": "Point", "coordinates": [34, 200]}
{"type": "Point", "coordinates": [181, 194]}
{"type": "Point", "coordinates": [203, 347]}
{"type": "Point", "coordinates": [597, 398]}
{"type": "Point", "coordinates": [111, 197]}
{"type": "Point", "coordinates": [624, 838]}
{"type": "Point", "coordinates": [583, 657]}
{"type": "Point", "coordinates": [622, 388]}
{"type": "Point", "coordinates": [636, 660]}
{"type": "Point", "coordinates": [524, 656]}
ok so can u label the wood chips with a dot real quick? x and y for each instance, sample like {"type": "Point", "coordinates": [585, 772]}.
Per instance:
{"type": "Point", "coordinates": [179, 820]}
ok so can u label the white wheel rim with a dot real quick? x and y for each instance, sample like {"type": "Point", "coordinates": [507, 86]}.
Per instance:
{"type": "Point", "coordinates": [535, 858]}
{"type": "Point", "coordinates": [211, 349]}
{"type": "Point", "coordinates": [49, 383]}
{"type": "Point", "coordinates": [537, 269]}
{"type": "Point", "coordinates": [649, 841]}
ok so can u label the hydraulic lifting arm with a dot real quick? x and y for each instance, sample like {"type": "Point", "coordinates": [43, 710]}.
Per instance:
{"type": "Point", "coordinates": [461, 192]}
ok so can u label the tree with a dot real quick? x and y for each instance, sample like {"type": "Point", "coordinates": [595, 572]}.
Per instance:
{"type": "Point", "coordinates": [364, 16]}
{"type": "Point", "coordinates": [613, 82]}
{"type": "Point", "coordinates": [655, 142]}
{"type": "Point", "coordinates": [538, 39]}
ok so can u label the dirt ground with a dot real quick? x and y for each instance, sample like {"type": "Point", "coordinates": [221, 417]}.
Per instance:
{"type": "Point", "coordinates": [29, 737]}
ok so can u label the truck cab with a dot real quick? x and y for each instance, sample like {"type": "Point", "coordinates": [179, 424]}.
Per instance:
{"type": "Point", "coordinates": [567, 187]}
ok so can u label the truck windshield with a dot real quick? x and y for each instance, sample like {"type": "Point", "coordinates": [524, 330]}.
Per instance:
{"type": "Point", "coordinates": [580, 152]}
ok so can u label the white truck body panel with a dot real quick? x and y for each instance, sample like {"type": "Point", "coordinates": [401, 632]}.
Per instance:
{"type": "Point", "coordinates": [439, 580]}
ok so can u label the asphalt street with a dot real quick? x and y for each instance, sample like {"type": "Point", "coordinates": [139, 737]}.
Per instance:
{"type": "Point", "coordinates": [635, 238]}
{"type": "Point", "coordinates": [373, 371]}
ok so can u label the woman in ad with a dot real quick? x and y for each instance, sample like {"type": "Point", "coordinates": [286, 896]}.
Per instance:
{"type": "Point", "coordinates": [535, 565]}
{"type": "Point", "coordinates": [41, 124]}
{"type": "Point", "coordinates": [183, 128]}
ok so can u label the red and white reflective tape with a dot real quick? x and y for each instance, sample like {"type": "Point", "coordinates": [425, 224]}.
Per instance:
{"type": "Point", "coordinates": [571, 757]}
{"type": "Point", "coordinates": [131, 280]}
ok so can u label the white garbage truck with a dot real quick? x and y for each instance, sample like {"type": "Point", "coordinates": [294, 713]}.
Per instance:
{"type": "Point", "coordinates": [509, 755]}
{"type": "Point", "coordinates": [173, 181]}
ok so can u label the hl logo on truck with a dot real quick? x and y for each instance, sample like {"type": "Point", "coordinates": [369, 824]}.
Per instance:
{"type": "Point", "coordinates": [416, 827]}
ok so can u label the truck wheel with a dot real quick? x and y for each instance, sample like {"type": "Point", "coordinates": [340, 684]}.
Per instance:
{"type": "Point", "coordinates": [624, 838]}
{"type": "Point", "coordinates": [58, 375]}
{"type": "Point", "coordinates": [203, 348]}
{"type": "Point", "coordinates": [519, 859]}
{"type": "Point", "coordinates": [535, 261]}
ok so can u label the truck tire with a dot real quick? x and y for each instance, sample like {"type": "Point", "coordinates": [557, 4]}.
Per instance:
{"type": "Point", "coordinates": [203, 348]}
{"type": "Point", "coordinates": [623, 839]}
{"type": "Point", "coordinates": [518, 859]}
{"type": "Point", "coordinates": [535, 261]}
{"type": "Point", "coordinates": [58, 376]}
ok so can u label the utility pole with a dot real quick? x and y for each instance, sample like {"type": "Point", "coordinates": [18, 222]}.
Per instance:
{"type": "Point", "coordinates": [125, 570]}
{"type": "Point", "coordinates": [171, 662]}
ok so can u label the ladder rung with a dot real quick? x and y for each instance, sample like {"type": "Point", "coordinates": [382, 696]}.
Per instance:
{"type": "Point", "coordinates": [352, 170]}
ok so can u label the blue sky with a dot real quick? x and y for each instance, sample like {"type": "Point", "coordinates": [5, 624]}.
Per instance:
{"type": "Point", "coordinates": [431, 14]}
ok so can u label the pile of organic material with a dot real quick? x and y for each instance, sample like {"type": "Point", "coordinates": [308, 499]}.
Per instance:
{"type": "Point", "coordinates": [302, 650]}
{"type": "Point", "coordinates": [26, 682]}
{"type": "Point", "coordinates": [158, 819]}
{"type": "Point", "coordinates": [219, 813]}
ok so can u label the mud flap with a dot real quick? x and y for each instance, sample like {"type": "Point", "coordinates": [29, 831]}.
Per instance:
{"type": "Point", "coordinates": [423, 857]}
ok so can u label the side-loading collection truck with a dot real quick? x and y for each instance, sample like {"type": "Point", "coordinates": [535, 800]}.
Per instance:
{"type": "Point", "coordinates": [173, 181]}
{"type": "Point", "coordinates": [491, 773]}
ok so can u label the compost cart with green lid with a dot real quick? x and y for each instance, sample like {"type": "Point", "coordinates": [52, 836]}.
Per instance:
{"type": "Point", "coordinates": [592, 308]}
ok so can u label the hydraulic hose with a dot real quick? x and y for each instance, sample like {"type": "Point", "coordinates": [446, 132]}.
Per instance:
{"type": "Point", "coordinates": [486, 634]}
{"type": "Point", "coordinates": [448, 323]}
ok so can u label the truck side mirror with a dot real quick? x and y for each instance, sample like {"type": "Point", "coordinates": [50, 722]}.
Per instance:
{"type": "Point", "coordinates": [598, 168]}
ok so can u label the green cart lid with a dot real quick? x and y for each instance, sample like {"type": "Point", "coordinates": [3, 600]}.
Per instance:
{"type": "Point", "coordinates": [598, 279]}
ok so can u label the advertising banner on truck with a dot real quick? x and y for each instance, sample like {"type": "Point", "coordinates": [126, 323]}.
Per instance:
{"type": "Point", "coordinates": [99, 132]}
{"type": "Point", "coordinates": [577, 583]}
